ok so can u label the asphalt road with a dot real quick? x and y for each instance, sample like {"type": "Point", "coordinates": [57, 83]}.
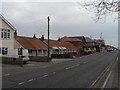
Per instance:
{"type": "Point", "coordinates": [78, 73]}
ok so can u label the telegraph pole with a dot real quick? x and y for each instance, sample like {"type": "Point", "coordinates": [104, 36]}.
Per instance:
{"type": "Point", "coordinates": [48, 40]}
{"type": "Point", "coordinates": [101, 35]}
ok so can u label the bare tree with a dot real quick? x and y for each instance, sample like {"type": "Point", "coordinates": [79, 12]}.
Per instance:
{"type": "Point", "coordinates": [102, 7]}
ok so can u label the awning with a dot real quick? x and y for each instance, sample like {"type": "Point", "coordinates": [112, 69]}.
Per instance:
{"type": "Point", "coordinates": [63, 48]}
{"type": "Point", "coordinates": [55, 47]}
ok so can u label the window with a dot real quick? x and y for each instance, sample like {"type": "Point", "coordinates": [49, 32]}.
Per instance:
{"type": "Point", "coordinates": [8, 34]}
{"type": "Point", "coordinates": [30, 51]}
{"type": "Point", "coordinates": [2, 34]}
{"type": "Point", "coordinates": [0, 51]}
{"type": "Point", "coordinates": [3, 50]}
{"type": "Point", "coordinates": [5, 33]}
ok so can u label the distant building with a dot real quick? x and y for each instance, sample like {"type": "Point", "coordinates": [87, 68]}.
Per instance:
{"type": "Point", "coordinates": [94, 45]}
{"type": "Point", "coordinates": [78, 41]}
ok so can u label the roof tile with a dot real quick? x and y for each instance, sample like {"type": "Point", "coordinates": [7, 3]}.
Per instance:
{"type": "Point", "coordinates": [31, 43]}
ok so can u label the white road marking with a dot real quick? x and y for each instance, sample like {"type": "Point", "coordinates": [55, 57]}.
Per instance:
{"type": "Point", "coordinates": [117, 59]}
{"type": "Point", "coordinates": [30, 80]}
{"type": "Point", "coordinates": [34, 79]}
{"type": "Point", "coordinates": [75, 65]}
{"type": "Point", "coordinates": [72, 66]}
{"type": "Point", "coordinates": [94, 83]}
{"type": "Point", "coordinates": [6, 74]}
{"type": "Point", "coordinates": [54, 72]}
{"type": "Point", "coordinates": [21, 83]}
{"type": "Point", "coordinates": [106, 80]}
{"type": "Point", "coordinates": [45, 75]}
{"type": "Point", "coordinates": [68, 68]}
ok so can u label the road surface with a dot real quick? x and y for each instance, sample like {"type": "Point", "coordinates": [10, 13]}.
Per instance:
{"type": "Point", "coordinates": [77, 73]}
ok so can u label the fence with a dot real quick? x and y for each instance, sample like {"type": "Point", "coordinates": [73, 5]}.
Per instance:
{"type": "Point", "coordinates": [10, 60]}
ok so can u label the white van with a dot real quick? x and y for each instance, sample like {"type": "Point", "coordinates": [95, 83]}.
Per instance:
{"type": "Point", "coordinates": [14, 54]}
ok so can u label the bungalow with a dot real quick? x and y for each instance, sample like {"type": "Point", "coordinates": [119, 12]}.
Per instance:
{"type": "Point", "coordinates": [34, 46]}
{"type": "Point", "coordinates": [60, 47]}
{"type": "Point", "coordinates": [78, 41]}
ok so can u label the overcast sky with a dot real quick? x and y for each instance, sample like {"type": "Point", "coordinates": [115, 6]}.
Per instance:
{"type": "Point", "coordinates": [66, 19]}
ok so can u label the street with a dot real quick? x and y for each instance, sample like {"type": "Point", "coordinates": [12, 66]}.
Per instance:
{"type": "Point", "coordinates": [81, 72]}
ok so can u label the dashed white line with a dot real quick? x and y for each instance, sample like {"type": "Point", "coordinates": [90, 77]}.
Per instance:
{"type": "Point", "coordinates": [117, 59]}
{"type": "Point", "coordinates": [6, 74]}
{"type": "Point", "coordinates": [30, 80]}
{"type": "Point", "coordinates": [72, 66]}
{"type": "Point", "coordinates": [68, 68]}
{"type": "Point", "coordinates": [21, 83]}
{"type": "Point", "coordinates": [54, 72]}
{"type": "Point", "coordinates": [45, 75]}
{"type": "Point", "coordinates": [34, 79]}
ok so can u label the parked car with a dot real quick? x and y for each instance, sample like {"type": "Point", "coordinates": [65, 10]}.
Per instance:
{"type": "Point", "coordinates": [109, 49]}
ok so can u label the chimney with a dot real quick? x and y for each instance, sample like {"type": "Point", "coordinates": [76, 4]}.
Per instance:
{"type": "Point", "coordinates": [42, 38]}
{"type": "Point", "coordinates": [15, 34]}
{"type": "Point", "coordinates": [59, 39]}
{"type": "Point", "coordinates": [34, 36]}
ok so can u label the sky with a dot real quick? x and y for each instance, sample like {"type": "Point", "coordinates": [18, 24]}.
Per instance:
{"type": "Point", "coordinates": [66, 19]}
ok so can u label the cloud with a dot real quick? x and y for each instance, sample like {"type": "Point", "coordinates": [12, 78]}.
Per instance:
{"type": "Point", "coordinates": [66, 19]}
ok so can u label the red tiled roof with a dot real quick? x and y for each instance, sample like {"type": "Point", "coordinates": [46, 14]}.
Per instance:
{"type": "Point", "coordinates": [31, 43]}
{"type": "Point", "coordinates": [77, 41]}
{"type": "Point", "coordinates": [56, 43]}
{"type": "Point", "coordinates": [71, 39]}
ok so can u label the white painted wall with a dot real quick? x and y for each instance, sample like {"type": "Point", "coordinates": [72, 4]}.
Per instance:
{"type": "Point", "coordinates": [39, 53]}
{"type": "Point", "coordinates": [9, 43]}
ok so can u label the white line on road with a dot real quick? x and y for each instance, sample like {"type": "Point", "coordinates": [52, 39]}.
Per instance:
{"type": "Point", "coordinates": [30, 80]}
{"type": "Point", "coordinates": [106, 80]}
{"type": "Point", "coordinates": [21, 83]}
{"type": "Point", "coordinates": [45, 75]}
{"type": "Point", "coordinates": [68, 68]}
{"type": "Point", "coordinates": [6, 74]}
{"type": "Point", "coordinates": [117, 59]}
{"type": "Point", "coordinates": [72, 66]}
{"type": "Point", "coordinates": [54, 72]}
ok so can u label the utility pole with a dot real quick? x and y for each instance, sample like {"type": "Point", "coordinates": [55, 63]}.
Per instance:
{"type": "Point", "coordinates": [101, 41]}
{"type": "Point", "coordinates": [48, 40]}
{"type": "Point", "coordinates": [101, 35]}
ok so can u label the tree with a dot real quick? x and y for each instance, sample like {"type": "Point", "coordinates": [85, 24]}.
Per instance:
{"type": "Point", "coordinates": [102, 7]}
